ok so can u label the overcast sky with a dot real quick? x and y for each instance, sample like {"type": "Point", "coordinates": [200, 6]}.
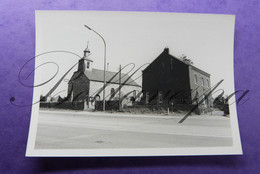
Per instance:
{"type": "Point", "coordinates": [134, 37]}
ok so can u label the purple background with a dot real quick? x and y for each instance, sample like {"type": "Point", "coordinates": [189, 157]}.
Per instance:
{"type": "Point", "coordinates": [17, 42]}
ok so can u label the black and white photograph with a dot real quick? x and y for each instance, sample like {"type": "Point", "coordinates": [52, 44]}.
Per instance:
{"type": "Point", "coordinates": [133, 84]}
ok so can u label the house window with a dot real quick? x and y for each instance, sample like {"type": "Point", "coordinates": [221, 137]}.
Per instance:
{"type": "Point", "coordinates": [171, 64]}
{"type": "Point", "coordinates": [88, 65]}
{"type": "Point", "coordinates": [160, 97]}
{"type": "Point", "coordinates": [112, 92]}
{"type": "Point", "coordinates": [207, 101]}
{"type": "Point", "coordinates": [202, 81]}
{"type": "Point", "coordinates": [208, 83]}
{"type": "Point", "coordinates": [197, 97]}
{"type": "Point", "coordinates": [195, 79]}
{"type": "Point", "coordinates": [71, 97]}
{"type": "Point", "coordinates": [204, 100]}
{"type": "Point", "coordinates": [147, 98]}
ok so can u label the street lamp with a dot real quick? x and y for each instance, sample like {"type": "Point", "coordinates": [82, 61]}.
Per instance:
{"type": "Point", "coordinates": [104, 83]}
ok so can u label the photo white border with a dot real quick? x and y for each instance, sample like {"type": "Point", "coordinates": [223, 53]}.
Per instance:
{"type": "Point", "coordinates": [236, 149]}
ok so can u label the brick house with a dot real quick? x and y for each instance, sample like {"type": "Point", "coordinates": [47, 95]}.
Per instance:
{"type": "Point", "coordinates": [170, 80]}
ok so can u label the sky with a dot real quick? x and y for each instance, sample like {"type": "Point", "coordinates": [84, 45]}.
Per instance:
{"type": "Point", "coordinates": [133, 37]}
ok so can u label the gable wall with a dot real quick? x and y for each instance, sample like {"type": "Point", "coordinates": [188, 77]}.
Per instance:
{"type": "Point", "coordinates": [167, 75]}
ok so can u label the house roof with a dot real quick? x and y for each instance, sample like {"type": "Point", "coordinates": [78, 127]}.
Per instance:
{"type": "Point", "coordinates": [193, 67]}
{"type": "Point", "coordinates": [166, 52]}
{"type": "Point", "coordinates": [111, 77]}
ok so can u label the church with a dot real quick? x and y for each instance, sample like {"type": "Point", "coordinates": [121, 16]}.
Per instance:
{"type": "Point", "coordinates": [86, 84]}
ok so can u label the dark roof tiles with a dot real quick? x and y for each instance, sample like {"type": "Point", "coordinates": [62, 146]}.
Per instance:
{"type": "Point", "coordinates": [98, 75]}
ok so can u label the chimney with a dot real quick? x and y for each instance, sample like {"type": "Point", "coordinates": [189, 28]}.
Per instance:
{"type": "Point", "coordinates": [166, 50]}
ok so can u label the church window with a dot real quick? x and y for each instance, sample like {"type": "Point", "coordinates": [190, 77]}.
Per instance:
{"type": "Point", "coordinates": [97, 97]}
{"type": "Point", "coordinates": [112, 92]}
{"type": "Point", "coordinates": [134, 93]}
{"type": "Point", "coordinates": [87, 64]}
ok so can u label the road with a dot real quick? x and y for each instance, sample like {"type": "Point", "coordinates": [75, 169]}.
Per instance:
{"type": "Point", "coordinates": [92, 130]}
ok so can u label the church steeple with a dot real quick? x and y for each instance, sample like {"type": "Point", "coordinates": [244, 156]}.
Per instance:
{"type": "Point", "coordinates": [88, 60]}
{"type": "Point", "coordinates": [85, 63]}
{"type": "Point", "coordinates": [81, 65]}
{"type": "Point", "coordinates": [86, 53]}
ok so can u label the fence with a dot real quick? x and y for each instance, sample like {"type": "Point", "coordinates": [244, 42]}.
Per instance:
{"type": "Point", "coordinates": [63, 105]}
{"type": "Point", "coordinates": [110, 105]}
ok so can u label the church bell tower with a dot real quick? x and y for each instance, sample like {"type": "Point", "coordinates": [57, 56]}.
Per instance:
{"type": "Point", "coordinates": [89, 62]}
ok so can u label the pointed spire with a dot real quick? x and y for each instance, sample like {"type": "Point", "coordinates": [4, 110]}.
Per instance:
{"type": "Point", "coordinates": [87, 59]}
{"type": "Point", "coordinates": [86, 52]}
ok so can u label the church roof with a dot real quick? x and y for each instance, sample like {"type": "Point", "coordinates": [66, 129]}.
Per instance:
{"type": "Point", "coordinates": [98, 75]}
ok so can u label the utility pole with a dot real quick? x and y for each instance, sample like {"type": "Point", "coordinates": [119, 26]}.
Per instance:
{"type": "Point", "coordinates": [119, 101]}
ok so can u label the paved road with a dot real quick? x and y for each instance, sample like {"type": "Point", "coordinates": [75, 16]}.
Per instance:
{"type": "Point", "coordinates": [88, 130]}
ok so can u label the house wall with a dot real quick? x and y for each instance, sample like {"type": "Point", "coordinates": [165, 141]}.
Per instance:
{"type": "Point", "coordinates": [166, 75]}
{"type": "Point", "coordinates": [199, 87]}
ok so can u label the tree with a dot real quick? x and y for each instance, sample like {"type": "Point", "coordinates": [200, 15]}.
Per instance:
{"type": "Point", "coordinates": [221, 103]}
{"type": "Point", "coordinates": [185, 59]}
